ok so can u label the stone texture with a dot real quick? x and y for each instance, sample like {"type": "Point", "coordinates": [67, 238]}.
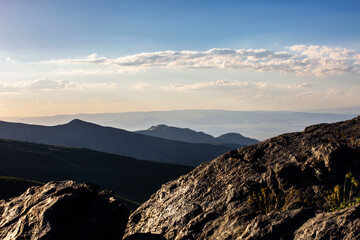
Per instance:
{"type": "Point", "coordinates": [211, 202]}
{"type": "Point", "coordinates": [342, 224]}
{"type": "Point", "coordinates": [63, 210]}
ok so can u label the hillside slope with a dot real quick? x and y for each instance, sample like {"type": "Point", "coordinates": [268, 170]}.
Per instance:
{"type": "Point", "coordinates": [12, 187]}
{"type": "Point", "coordinates": [130, 178]}
{"type": "Point", "coordinates": [82, 134]}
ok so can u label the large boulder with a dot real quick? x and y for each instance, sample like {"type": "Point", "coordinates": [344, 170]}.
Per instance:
{"type": "Point", "coordinates": [63, 210]}
{"type": "Point", "coordinates": [219, 199]}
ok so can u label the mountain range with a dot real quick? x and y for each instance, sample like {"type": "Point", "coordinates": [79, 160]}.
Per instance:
{"type": "Point", "coordinates": [83, 134]}
{"type": "Point", "coordinates": [233, 140]}
{"type": "Point", "coordinates": [256, 124]}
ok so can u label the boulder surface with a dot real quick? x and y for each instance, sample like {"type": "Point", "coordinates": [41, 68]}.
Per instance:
{"type": "Point", "coordinates": [224, 198]}
{"type": "Point", "coordinates": [63, 210]}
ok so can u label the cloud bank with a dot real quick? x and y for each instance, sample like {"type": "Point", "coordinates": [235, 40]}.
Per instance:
{"type": "Point", "coordinates": [319, 61]}
{"type": "Point", "coordinates": [230, 85]}
{"type": "Point", "coordinates": [48, 84]}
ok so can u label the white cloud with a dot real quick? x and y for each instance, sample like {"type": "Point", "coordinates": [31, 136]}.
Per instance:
{"type": "Point", "coordinates": [215, 85]}
{"type": "Point", "coordinates": [318, 52]}
{"type": "Point", "coordinates": [357, 58]}
{"type": "Point", "coordinates": [10, 60]}
{"type": "Point", "coordinates": [140, 85]}
{"type": "Point", "coordinates": [311, 60]}
{"type": "Point", "coordinates": [92, 58]}
{"type": "Point", "coordinates": [299, 86]}
{"type": "Point", "coordinates": [47, 84]}
{"type": "Point", "coordinates": [233, 86]}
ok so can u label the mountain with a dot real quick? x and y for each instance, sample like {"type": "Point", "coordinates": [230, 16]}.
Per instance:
{"type": "Point", "coordinates": [178, 134]}
{"type": "Point", "coordinates": [82, 134]}
{"type": "Point", "coordinates": [287, 187]}
{"type": "Point", "coordinates": [233, 140]}
{"type": "Point", "coordinates": [236, 138]}
{"type": "Point", "coordinates": [256, 124]}
{"type": "Point", "coordinates": [130, 178]}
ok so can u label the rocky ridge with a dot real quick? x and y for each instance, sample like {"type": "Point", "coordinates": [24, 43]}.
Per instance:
{"type": "Point", "coordinates": [212, 202]}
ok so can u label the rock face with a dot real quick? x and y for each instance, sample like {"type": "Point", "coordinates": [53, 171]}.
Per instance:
{"type": "Point", "coordinates": [212, 201]}
{"type": "Point", "coordinates": [63, 210]}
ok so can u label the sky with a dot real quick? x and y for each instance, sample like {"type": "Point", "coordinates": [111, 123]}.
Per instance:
{"type": "Point", "coordinates": [67, 57]}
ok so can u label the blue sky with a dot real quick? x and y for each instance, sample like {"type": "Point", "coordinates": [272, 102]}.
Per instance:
{"type": "Point", "coordinates": [90, 52]}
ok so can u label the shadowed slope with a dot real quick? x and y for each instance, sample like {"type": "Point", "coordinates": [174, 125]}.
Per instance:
{"type": "Point", "coordinates": [130, 178]}
{"type": "Point", "coordinates": [12, 187]}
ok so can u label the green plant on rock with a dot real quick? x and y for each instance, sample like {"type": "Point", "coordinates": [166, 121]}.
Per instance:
{"type": "Point", "coordinates": [266, 200]}
{"type": "Point", "coordinates": [344, 196]}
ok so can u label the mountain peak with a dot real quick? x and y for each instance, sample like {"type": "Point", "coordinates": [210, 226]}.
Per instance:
{"type": "Point", "coordinates": [157, 127]}
{"type": "Point", "coordinates": [76, 121]}
{"type": "Point", "coordinates": [79, 122]}
{"type": "Point", "coordinates": [236, 138]}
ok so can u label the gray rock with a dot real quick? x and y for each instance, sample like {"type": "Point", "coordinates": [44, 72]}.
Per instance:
{"type": "Point", "coordinates": [342, 224]}
{"type": "Point", "coordinates": [63, 210]}
{"type": "Point", "coordinates": [211, 202]}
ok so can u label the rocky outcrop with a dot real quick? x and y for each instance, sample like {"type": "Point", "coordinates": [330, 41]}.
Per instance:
{"type": "Point", "coordinates": [63, 210]}
{"type": "Point", "coordinates": [218, 199]}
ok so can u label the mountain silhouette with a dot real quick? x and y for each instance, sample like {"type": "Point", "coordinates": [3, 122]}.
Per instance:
{"type": "Point", "coordinates": [83, 134]}
{"type": "Point", "coordinates": [232, 140]}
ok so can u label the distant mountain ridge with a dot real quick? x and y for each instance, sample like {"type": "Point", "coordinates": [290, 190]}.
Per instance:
{"type": "Point", "coordinates": [255, 124]}
{"type": "Point", "coordinates": [83, 134]}
{"type": "Point", "coordinates": [235, 140]}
